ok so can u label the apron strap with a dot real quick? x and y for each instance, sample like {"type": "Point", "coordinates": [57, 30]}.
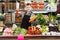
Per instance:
{"type": "Point", "coordinates": [29, 13]}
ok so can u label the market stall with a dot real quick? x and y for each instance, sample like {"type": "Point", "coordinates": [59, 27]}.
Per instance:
{"type": "Point", "coordinates": [44, 24]}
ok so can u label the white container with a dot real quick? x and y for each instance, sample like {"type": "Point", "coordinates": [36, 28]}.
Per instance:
{"type": "Point", "coordinates": [53, 33]}
{"type": "Point", "coordinates": [48, 33]}
{"type": "Point", "coordinates": [44, 33]}
{"type": "Point", "coordinates": [58, 33]}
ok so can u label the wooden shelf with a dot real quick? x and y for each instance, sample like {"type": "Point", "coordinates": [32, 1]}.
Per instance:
{"type": "Point", "coordinates": [33, 36]}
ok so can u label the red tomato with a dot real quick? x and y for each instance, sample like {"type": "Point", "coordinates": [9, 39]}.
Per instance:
{"type": "Point", "coordinates": [41, 5]}
{"type": "Point", "coordinates": [37, 31]}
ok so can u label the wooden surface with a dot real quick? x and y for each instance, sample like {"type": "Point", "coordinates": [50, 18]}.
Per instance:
{"type": "Point", "coordinates": [31, 37]}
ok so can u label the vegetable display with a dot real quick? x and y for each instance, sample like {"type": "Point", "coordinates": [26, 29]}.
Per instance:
{"type": "Point", "coordinates": [41, 19]}
{"type": "Point", "coordinates": [17, 31]}
{"type": "Point", "coordinates": [34, 30]}
{"type": "Point", "coordinates": [52, 17]}
{"type": "Point", "coordinates": [23, 31]}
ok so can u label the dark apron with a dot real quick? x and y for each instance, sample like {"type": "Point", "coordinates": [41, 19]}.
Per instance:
{"type": "Point", "coordinates": [25, 22]}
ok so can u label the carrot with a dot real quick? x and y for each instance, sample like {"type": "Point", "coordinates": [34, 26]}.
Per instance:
{"type": "Point", "coordinates": [32, 19]}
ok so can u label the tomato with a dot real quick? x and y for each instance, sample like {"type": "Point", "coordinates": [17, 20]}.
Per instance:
{"type": "Point", "coordinates": [31, 32]}
{"type": "Point", "coordinates": [37, 31]}
{"type": "Point", "coordinates": [41, 5]}
{"type": "Point", "coordinates": [34, 5]}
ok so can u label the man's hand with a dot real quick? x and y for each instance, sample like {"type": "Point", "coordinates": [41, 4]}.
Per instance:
{"type": "Point", "coordinates": [32, 19]}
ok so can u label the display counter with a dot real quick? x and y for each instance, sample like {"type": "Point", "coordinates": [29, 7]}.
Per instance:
{"type": "Point", "coordinates": [31, 37]}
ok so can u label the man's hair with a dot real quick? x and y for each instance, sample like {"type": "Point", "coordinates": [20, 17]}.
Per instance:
{"type": "Point", "coordinates": [28, 3]}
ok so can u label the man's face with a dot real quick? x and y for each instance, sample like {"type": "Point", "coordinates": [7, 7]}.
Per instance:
{"type": "Point", "coordinates": [28, 8]}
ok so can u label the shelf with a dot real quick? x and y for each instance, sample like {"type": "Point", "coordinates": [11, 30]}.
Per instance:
{"type": "Point", "coordinates": [32, 36]}
{"type": "Point", "coordinates": [37, 11]}
{"type": "Point", "coordinates": [53, 10]}
{"type": "Point", "coordinates": [43, 11]}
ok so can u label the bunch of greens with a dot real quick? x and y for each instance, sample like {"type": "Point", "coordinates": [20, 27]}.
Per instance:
{"type": "Point", "coordinates": [52, 17]}
{"type": "Point", "coordinates": [41, 19]}
{"type": "Point", "coordinates": [19, 30]}
{"type": "Point", "coordinates": [23, 31]}
{"type": "Point", "coordinates": [59, 27]}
